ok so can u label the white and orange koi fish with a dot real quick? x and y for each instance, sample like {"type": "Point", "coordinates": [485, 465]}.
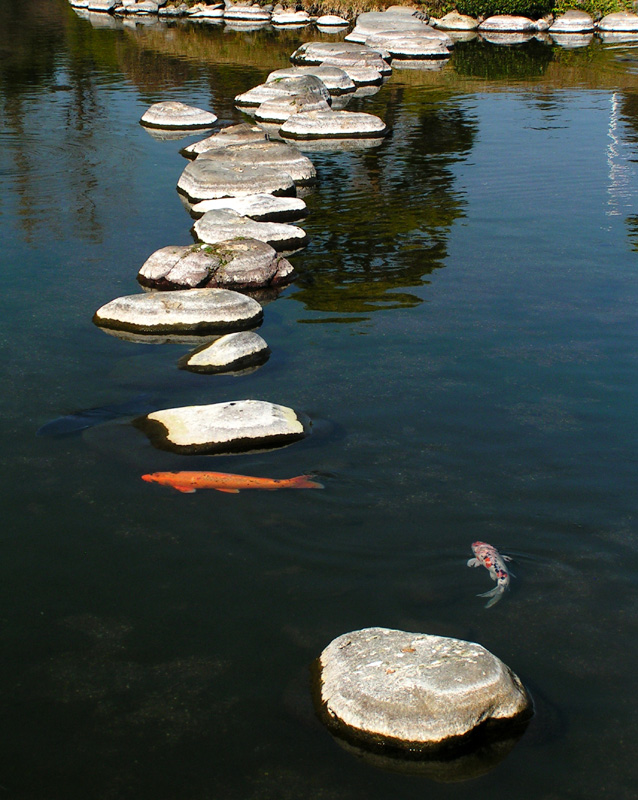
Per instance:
{"type": "Point", "coordinates": [489, 557]}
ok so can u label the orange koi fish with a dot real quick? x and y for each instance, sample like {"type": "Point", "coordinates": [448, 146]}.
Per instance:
{"type": "Point", "coordinates": [189, 482]}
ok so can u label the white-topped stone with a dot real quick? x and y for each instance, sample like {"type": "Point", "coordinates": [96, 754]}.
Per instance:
{"type": "Point", "coordinates": [620, 21]}
{"type": "Point", "coordinates": [260, 207]}
{"type": "Point", "coordinates": [282, 87]}
{"type": "Point", "coordinates": [572, 21]}
{"type": "Point", "coordinates": [173, 114]}
{"type": "Point", "coordinates": [341, 54]}
{"type": "Point", "coordinates": [188, 311]}
{"type": "Point", "coordinates": [233, 426]}
{"type": "Point", "coordinates": [208, 179]}
{"type": "Point", "coordinates": [414, 691]}
{"type": "Point", "coordinates": [224, 224]}
{"type": "Point", "coordinates": [252, 13]}
{"type": "Point", "coordinates": [506, 23]}
{"type": "Point", "coordinates": [370, 23]}
{"type": "Point", "coordinates": [334, 79]}
{"type": "Point", "coordinates": [333, 124]}
{"type": "Point", "coordinates": [331, 21]}
{"type": "Point", "coordinates": [413, 44]}
{"type": "Point", "coordinates": [243, 264]}
{"type": "Point", "coordinates": [280, 108]}
{"type": "Point", "coordinates": [231, 352]}
{"type": "Point", "coordinates": [267, 154]}
{"type": "Point", "coordinates": [453, 21]}
{"type": "Point", "coordinates": [233, 134]}
{"type": "Point", "coordinates": [296, 18]}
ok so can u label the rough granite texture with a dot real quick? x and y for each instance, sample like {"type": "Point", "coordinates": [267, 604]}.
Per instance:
{"type": "Point", "coordinates": [413, 689]}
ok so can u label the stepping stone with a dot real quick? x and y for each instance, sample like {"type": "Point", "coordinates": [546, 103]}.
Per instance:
{"type": "Point", "coordinates": [187, 311]}
{"type": "Point", "coordinates": [454, 22]}
{"type": "Point", "coordinates": [413, 44]}
{"type": "Point", "coordinates": [282, 87]}
{"type": "Point", "coordinates": [364, 76]}
{"type": "Point", "coordinates": [333, 124]}
{"type": "Point", "coordinates": [505, 23]}
{"type": "Point", "coordinates": [173, 114]}
{"type": "Point", "coordinates": [260, 207]}
{"type": "Point", "coordinates": [331, 21]}
{"type": "Point", "coordinates": [291, 18]}
{"type": "Point", "coordinates": [247, 13]}
{"type": "Point", "coordinates": [341, 54]}
{"type": "Point", "coordinates": [206, 12]}
{"type": "Point", "coordinates": [233, 134]}
{"type": "Point", "coordinates": [219, 226]}
{"type": "Point", "coordinates": [229, 353]}
{"type": "Point", "coordinates": [572, 21]}
{"type": "Point", "coordinates": [207, 179]}
{"type": "Point", "coordinates": [280, 108]}
{"type": "Point", "coordinates": [620, 21]}
{"type": "Point", "coordinates": [369, 23]}
{"type": "Point", "coordinates": [334, 79]}
{"type": "Point", "coordinates": [267, 154]}
{"type": "Point", "coordinates": [242, 263]}
{"type": "Point", "coordinates": [415, 692]}
{"type": "Point", "coordinates": [235, 426]}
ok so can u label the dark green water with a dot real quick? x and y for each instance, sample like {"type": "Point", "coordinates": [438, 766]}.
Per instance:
{"type": "Point", "coordinates": [463, 332]}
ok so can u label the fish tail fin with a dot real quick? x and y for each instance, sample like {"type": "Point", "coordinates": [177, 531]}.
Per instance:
{"type": "Point", "coordinates": [495, 594]}
{"type": "Point", "coordinates": [305, 482]}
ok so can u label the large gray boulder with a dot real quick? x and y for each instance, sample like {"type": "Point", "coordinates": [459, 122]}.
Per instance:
{"type": "Point", "coordinates": [236, 426]}
{"type": "Point", "coordinates": [426, 43]}
{"type": "Point", "coordinates": [333, 125]}
{"type": "Point", "coordinates": [207, 179]}
{"type": "Point", "coordinates": [414, 691]}
{"type": "Point", "coordinates": [246, 13]}
{"type": "Point", "coordinates": [369, 23]}
{"type": "Point", "coordinates": [233, 134]}
{"type": "Point", "coordinates": [224, 224]}
{"type": "Point", "coordinates": [173, 114]}
{"type": "Point", "coordinates": [242, 263]}
{"type": "Point", "coordinates": [229, 353]}
{"type": "Point", "coordinates": [196, 311]}
{"type": "Point", "coordinates": [453, 21]}
{"type": "Point", "coordinates": [272, 155]}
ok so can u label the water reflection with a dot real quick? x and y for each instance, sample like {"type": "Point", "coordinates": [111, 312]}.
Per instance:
{"type": "Point", "coordinates": [363, 258]}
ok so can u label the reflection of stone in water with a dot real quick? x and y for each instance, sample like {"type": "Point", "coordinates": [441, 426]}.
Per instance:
{"type": "Point", "coordinates": [571, 41]}
{"type": "Point", "coordinates": [166, 135]}
{"type": "Point", "coordinates": [337, 145]}
{"type": "Point", "coordinates": [495, 37]}
{"type": "Point", "coordinates": [160, 338]}
{"type": "Point", "coordinates": [431, 64]}
{"type": "Point", "coordinates": [465, 767]}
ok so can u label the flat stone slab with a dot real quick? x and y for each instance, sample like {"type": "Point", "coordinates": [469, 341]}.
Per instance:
{"type": "Point", "coordinates": [291, 18]}
{"type": "Point", "coordinates": [233, 134]}
{"type": "Point", "coordinates": [260, 207]}
{"type": "Point", "coordinates": [331, 21]}
{"type": "Point", "coordinates": [219, 226]}
{"type": "Point", "coordinates": [242, 263]}
{"type": "Point", "coordinates": [572, 21]}
{"type": "Point", "coordinates": [414, 691]}
{"type": "Point", "coordinates": [173, 114]}
{"type": "Point", "coordinates": [208, 179]}
{"type": "Point", "coordinates": [621, 21]}
{"type": "Point", "coordinates": [280, 108]}
{"type": "Point", "coordinates": [333, 125]}
{"type": "Point", "coordinates": [235, 426]}
{"type": "Point", "coordinates": [196, 311]}
{"type": "Point", "coordinates": [505, 23]}
{"type": "Point", "coordinates": [280, 156]}
{"type": "Point", "coordinates": [341, 54]}
{"type": "Point", "coordinates": [282, 87]}
{"type": "Point", "coordinates": [370, 23]}
{"type": "Point", "coordinates": [229, 353]}
{"type": "Point", "coordinates": [334, 79]}
{"type": "Point", "coordinates": [414, 44]}
{"type": "Point", "coordinates": [247, 13]}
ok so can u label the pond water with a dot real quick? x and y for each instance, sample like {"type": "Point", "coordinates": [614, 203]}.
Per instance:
{"type": "Point", "coordinates": [463, 332]}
